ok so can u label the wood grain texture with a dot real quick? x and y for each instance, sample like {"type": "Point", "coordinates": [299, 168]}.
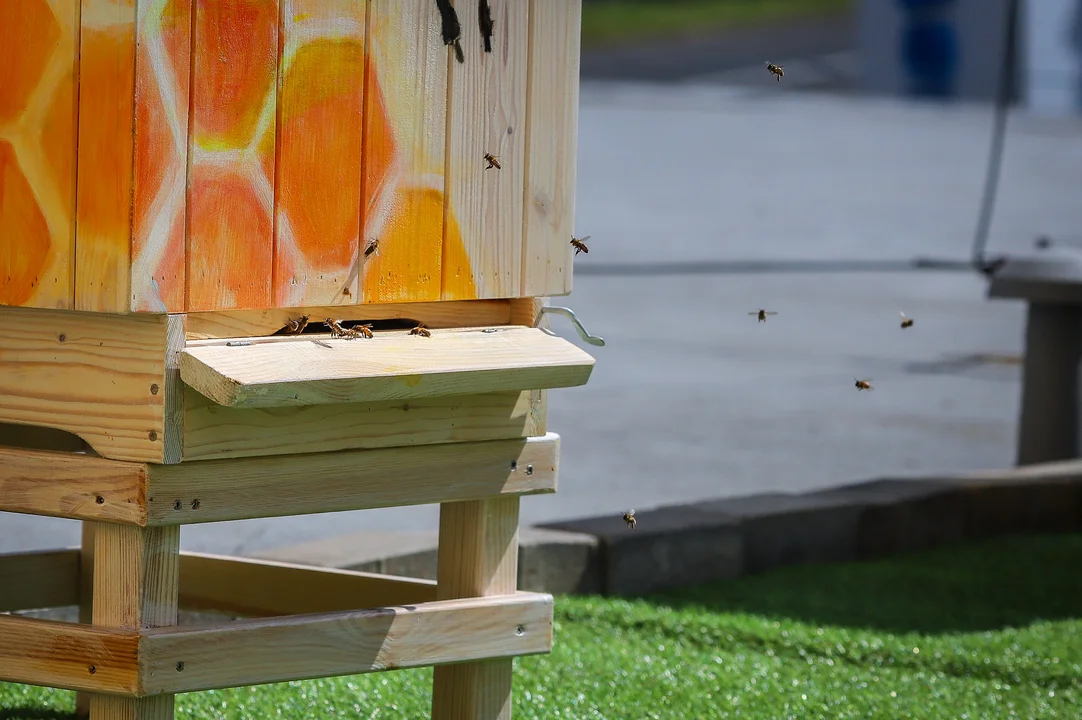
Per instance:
{"type": "Point", "coordinates": [390, 366]}
{"type": "Point", "coordinates": [405, 145]}
{"type": "Point", "coordinates": [159, 213]}
{"type": "Point", "coordinates": [60, 655]}
{"type": "Point", "coordinates": [250, 323]}
{"type": "Point", "coordinates": [213, 431]}
{"type": "Point", "coordinates": [249, 652]}
{"type": "Point", "coordinates": [105, 156]}
{"type": "Point", "coordinates": [488, 115]}
{"type": "Point", "coordinates": [318, 190]}
{"type": "Point", "coordinates": [86, 599]}
{"type": "Point", "coordinates": [41, 579]}
{"type": "Point", "coordinates": [526, 312]}
{"type": "Point", "coordinates": [136, 586]}
{"type": "Point", "coordinates": [231, 159]}
{"type": "Point", "coordinates": [234, 489]}
{"type": "Point", "coordinates": [38, 54]}
{"type": "Point", "coordinates": [552, 108]}
{"type": "Point", "coordinates": [72, 486]}
{"type": "Point", "coordinates": [89, 374]}
{"type": "Point", "coordinates": [478, 557]}
{"type": "Point", "coordinates": [261, 588]}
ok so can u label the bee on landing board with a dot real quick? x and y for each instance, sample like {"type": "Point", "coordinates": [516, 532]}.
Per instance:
{"type": "Point", "coordinates": [863, 384]}
{"type": "Point", "coordinates": [493, 162]}
{"type": "Point", "coordinates": [373, 245]}
{"type": "Point", "coordinates": [296, 327]}
{"type": "Point", "coordinates": [580, 244]}
{"type": "Point", "coordinates": [421, 330]}
{"type": "Point", "coordinates": [348, 333]}
{"type": "Point", "coordinates": [906, 322]}
{"type": "Point", "coordinates": [776, 70]}
{"type": "Point", "coordinates": [629, 518]}
{"type": "Point", "coordinates": [365, 330]}
{"type": "Point", "coordinates": [761, 314]}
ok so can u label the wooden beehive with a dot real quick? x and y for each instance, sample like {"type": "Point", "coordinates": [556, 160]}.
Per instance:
{"type": "Point", "coordinates": [178, 156]}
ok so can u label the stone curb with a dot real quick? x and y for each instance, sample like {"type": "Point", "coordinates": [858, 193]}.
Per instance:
{"type": "Point", "coordinates": [680, 545]}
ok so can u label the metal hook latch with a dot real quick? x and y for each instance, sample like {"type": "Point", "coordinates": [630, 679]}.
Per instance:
{"type": "Point", "coordinates": [587, 337]}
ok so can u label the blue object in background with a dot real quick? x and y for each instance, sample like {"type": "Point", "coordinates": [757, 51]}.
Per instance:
{"type": "Point", "coordinates": [929, 47]}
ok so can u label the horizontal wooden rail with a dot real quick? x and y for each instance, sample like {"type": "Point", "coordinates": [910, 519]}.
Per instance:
{"type": "Point", "coordinates": [255, 652]}
{"type": "Point", "coordinates": [41, 579]}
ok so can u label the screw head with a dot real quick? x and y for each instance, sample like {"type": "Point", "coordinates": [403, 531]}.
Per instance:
{"type": "Point", "coordinates": [177, 505]}
{"type": "Point", "coordinates": [154, 389]}
{"type": "Point", "coordinates": [152, 435]}
{"type": "Point", "coordinates": [529, 469]}
{"type": "Point", "coordinates": [62, 337]}
{"type": "Point", "coordinates": [99, 500]}
{"type": "Point", "coordinates": [180, 666]}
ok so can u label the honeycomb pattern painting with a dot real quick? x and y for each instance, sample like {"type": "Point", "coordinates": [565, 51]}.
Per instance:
{"type": "Point", "coordinates": [37, 150]}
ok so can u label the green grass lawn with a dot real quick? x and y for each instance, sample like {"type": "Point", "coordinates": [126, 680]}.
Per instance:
{"type": "Point", "coordinates": [621, 21]}
{"type": "Point", "coordinates": [991, 630]}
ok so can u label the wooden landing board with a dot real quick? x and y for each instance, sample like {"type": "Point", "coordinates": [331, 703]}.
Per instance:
{"type": "Point", "coordinates": [390, 366]}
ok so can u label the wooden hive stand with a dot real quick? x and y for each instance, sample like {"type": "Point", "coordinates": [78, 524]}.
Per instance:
{"type": "Point", "coordinates": [184, 180]}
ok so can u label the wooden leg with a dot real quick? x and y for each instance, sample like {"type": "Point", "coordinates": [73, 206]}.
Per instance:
{"type": "Point", "coordinates": [136, 580]}
{"type": "Point", "coordinates": [1048, 427]}
{"type": "Point", "coordinates": [478, 556]}
{"type": "Point", "coordinates": [86, 600]}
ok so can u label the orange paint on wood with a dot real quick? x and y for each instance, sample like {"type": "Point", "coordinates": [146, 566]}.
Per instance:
{"type": "Point", "coordinates": [320, 112]}
{"type": "Point", "coordinates": [28, 33]}
{"type": "Point", "coordinates": [104, 186]}
{"type": "Point", "coordinates": [407, 267]}
{"type": "Point", "coordinates": [20, 218]}
{"type": "Point", "coordinates": [457, 281]}
{"type": "Point", "coordinates": [231, 161]}
{"type": "Point", "coordinates": [161, 148]}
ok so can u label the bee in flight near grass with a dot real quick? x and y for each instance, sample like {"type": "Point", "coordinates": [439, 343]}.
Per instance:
{"type": "Point", "coordinates": [629, 518]}
{"type": "Point", "coordinates": [421, 330]}
{"type": "Point", "coordinates": [776, 70]}
{"type": "Point", "coordinates": [372, 246]}
{"type": "Point", "coordinates": [906, 322]}
{"type": "Point", "coordinates": [761, 314]}
{"type": "Point", "coordinates": [580, 244]}
{"type": "Point", "coordinates": [296, 327]}
{"type": "Point", "coordinates": [863, 384]}
{"type": "Point", "coordinates": [493, 162]}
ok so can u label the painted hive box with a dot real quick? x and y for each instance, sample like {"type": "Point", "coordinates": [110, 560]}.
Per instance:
{"type": "Point", "coordinates": [195, 155]}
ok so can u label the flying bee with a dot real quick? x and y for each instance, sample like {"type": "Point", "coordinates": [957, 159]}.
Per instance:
{"type": "Point", "coordinates": [493, 161]}
{"type": "Point", "coordinates": [906, 322]}
{"type": "Point", "coordinates": [580, 244]}
{"type": "Point", "coordinates": [776, 70]}
{"type": "Point", "coordinates": [421, 330]}
{"type": "Point", "coordinates": [629, 518]}
{"type": "Point", "coordinates": [761, 314]}
{"type": "Point", "coordinates": [373, 245]}
{"type": "Point", "coordinates": [863, 384]}
{"type": "Point", "coordinates": [296, 327]}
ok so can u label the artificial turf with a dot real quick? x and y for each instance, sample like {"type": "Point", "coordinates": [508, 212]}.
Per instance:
{"type": "Point", "coordinates": [987, 630]}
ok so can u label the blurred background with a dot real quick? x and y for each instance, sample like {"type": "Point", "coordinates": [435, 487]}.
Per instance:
{"type": "Point", "coordinates": [838, 197]}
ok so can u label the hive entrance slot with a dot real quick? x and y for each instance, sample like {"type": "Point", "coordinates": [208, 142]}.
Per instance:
{"type": "Point", "coordinates": [316, 326]}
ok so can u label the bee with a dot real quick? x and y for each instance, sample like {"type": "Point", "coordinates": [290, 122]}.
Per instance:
{"type": "Point", "coordinates": [348, 333]}
{"type": "Point", "coordinates": [493, 162]}
{"type": "Point", "coordinates": [296, 327]}
{"type": "Point", "coordinates": [421, 330]}
{"type": "Point", "coordinates": [863, 384]}
{"type": "Point", "coordinates": [580, 244]}
{"type": "Point", "coordinates": [761, 314]}
{"type": "Point", "coordinates": [906, 322]}
{"type": "Point", "coordinates": [629, 518]}
{"type": "Point", "coordinates": [373, 245]}
{"type": "Point", "coordinates": [776, 70]}
{"type": "Point", "coordinates": [365, 330]}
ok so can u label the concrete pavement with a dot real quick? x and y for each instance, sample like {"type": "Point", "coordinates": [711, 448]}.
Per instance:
{"type": "Point", "coordinates": [694, 399]}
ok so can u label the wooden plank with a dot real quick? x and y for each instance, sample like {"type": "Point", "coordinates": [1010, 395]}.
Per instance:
{"type": "Point", "coordinates": [86, 599]}
{"type": "Point", "coordinates": [478, 557]}
{"type": "Point", "coordinates": [213, 431]}
{"type": "Point", "coordinates": [526, 311]}
{"type": "Point", "coordinates": [386, 367]}
{"type": "Point", "coordinates": [404, 153]}
{"type": "Point", "coordinates": [136, 581]}
{"type": "Point", "coordinates": [98, 376]}
{"type": "Point", "coordinates": [105, 156]}
{"type": "Point", "coordinates": [488, 115]}
{"type": "Point", "coordinates": [162, 75]}
{"type": "Point", "coordinates": [235, 489]}
{"type": "Point", "coordinates": [260, 588]}
{"type": "Point", "coordinates": [231, 171]}
{"type": "Point", "coordinates": [61, 655]}
{"type": "Point", "coordinates": [41, 579]}
{"type": "Point", "coordinates": [320, 105]}
{"type": "Point", "coordinates": [39, 54]}
{"type": "Point", "coordinates": [552, 109]}
{"type": "Point", "coordinates": [72, 486]}
{"type": "Point", "coordinates": [251, 652]}
{"type": "Point", "coordinates": [249, 323]}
